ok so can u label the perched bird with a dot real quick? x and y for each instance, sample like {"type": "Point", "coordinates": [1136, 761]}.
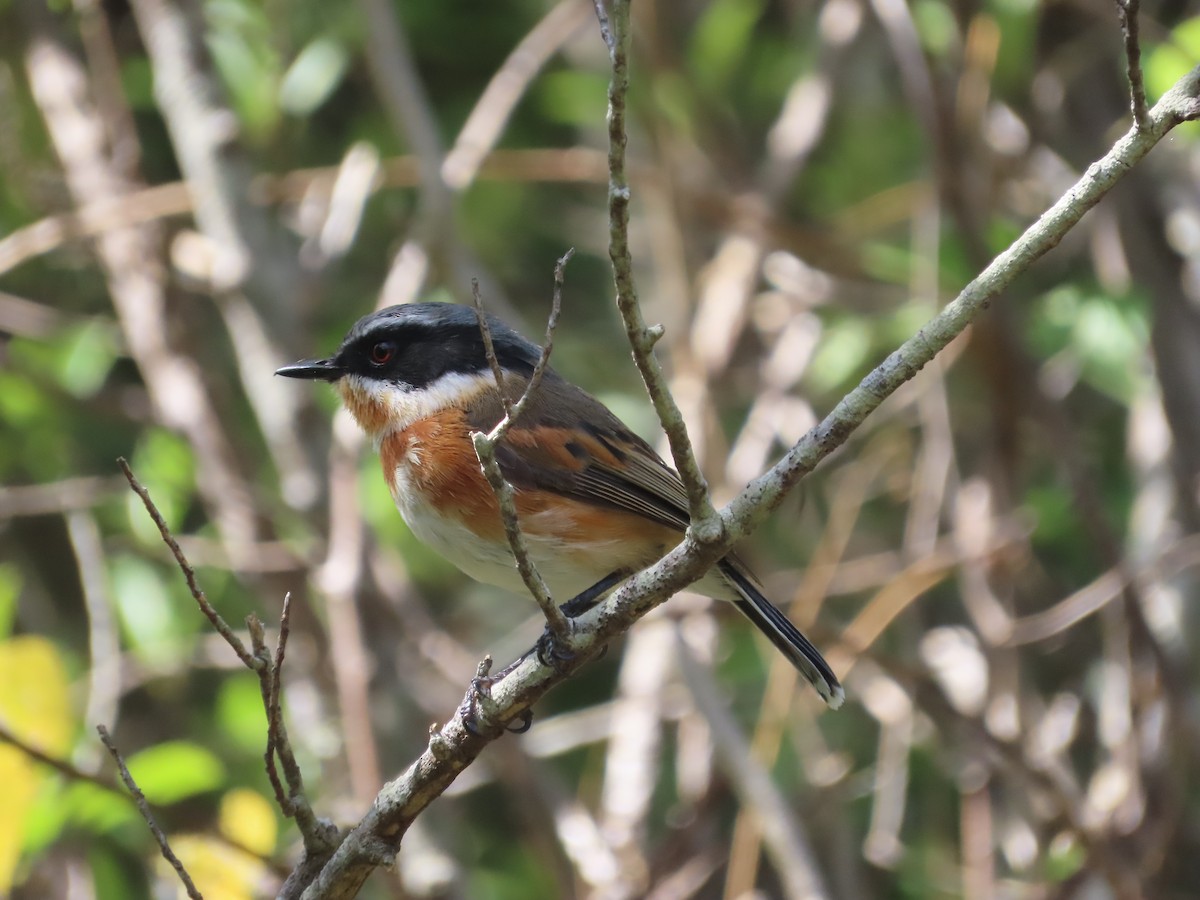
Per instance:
{"type": "Point", "coordinates": [595, 502]}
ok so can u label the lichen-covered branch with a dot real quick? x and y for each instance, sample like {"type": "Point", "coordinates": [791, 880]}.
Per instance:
{"type": "Point", "coordinates": [455, 745]}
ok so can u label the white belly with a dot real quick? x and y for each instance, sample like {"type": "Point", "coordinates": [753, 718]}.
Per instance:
{"type": "Point", "coordinates": [493, 563]}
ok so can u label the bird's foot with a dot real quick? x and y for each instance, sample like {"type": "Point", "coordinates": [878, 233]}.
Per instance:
{"type": "Point", "coordinates": [478, 702]}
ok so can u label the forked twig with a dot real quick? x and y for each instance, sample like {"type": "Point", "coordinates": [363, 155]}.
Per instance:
{"type": "Point", "coordinates": [320, 837]}
{"type": "Point", "coordinates": [485, 449]}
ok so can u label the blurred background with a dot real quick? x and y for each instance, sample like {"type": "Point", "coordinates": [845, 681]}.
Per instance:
{"type": "Point", "coordinates": [1001, 562]}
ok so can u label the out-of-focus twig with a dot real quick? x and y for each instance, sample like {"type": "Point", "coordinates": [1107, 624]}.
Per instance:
{"type": "Point", "coordinates": [56, 496]}
{"type": "Point", "coordinates": [786, 840]}
{"type": "Point", "coordinates": [249, 247]}
{"type": "Point", "coordinates": [144, 808]}
{"type": "Point", "coordinates": [488, 117]}
{"type": "Point", "coordinates": [136, 280]}
{"type": "Point", "coordinates": [251, 258]}
{"type": "Point", "coordinates": [631, 761]}
{"type": "Point", "coordinates": [104, 645]}
{"type": "Point", "coordinates": [339, 576]}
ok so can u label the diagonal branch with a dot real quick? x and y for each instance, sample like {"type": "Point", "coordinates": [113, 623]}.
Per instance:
{"type": "Point", "coordinates": [455, 745]}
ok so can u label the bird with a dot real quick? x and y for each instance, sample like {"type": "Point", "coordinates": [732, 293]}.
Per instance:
{"type": "Point", "coordinates": [594, 500]}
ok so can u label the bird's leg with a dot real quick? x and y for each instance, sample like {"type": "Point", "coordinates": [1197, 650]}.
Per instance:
{"type": "Point", "coordinates": [589, 597]}
{"type": "Point", "coordinates": [548, 653]}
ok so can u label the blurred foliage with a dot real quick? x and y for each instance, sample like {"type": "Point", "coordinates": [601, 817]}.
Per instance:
{"type": "Point", "coordinates": [1066, 411]}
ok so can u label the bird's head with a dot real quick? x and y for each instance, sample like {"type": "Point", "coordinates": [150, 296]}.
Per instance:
{"type": "Point", "coordinates": [407, 362]}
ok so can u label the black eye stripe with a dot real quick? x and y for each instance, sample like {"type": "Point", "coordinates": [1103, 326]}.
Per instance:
{"type": "Point", "coordinates": [428, 341]}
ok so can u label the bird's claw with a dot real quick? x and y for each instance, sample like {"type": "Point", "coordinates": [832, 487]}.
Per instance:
{"type": "Point", "coordinates": [479, 698]}
{"type": "Point", "coordinates": [551, 654]}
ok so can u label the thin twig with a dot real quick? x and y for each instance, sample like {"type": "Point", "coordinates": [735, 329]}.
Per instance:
{"type": "Point", "coordinates": [539, 369]}
{"type": "Point", "coordinates": [485, 449]}
{"type": "Point", "coordinates": [60, 765]}
{"type": "Point", "coordinates": [489, 348]}
{"type": "Point", "coordinates": [1127, 14]}
{"type": "Point", "coordinates": [276, 730]}
{"type": "Point", "coordinates": [144, 808]}
{"type": "Point", "coordinates": [189, 574]}
{"type": "Point", "coordinates": [705, 524]}
{"type": "Point", "coordinates": [318, 835]}
{"type": "Point", "coordinates": [267, 685]}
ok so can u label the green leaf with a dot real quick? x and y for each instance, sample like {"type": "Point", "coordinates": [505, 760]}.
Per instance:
{"type": "Point", "coordinates": [842, 351]}
{"type": "Point", "coordinates": [1166, 63]}
{"type": "Point", "coordinates": [721, 38]}
{"type": "Point", "coordinates": [154, 622]}
{"type": "Point", "coordinates": [86, 357]}
{"type": "Point", "coordinates": [10, 588]}
{"type": "Point", "coordinates": [572, 97]}
{"type": "Point", "coordinates": [313, 76]}
{"type": "Point", "coordinates": [175, 770]}
{"type": "Point", "coordinates": [936, 26]}
{"type": "Point", "coordinates": [239, 711]}
{"type": "Point", "coordinates": [240, 41]}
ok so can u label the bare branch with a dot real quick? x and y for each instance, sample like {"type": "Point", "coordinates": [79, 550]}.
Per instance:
{"type": "Point", "coordinates": [319, 836]}
{"type": "Point", "coordinates": [748, 509]}
{"type": "Point", "coordinates": [189, 574]}
{"type": "Point", "coordinates": [144, 808]}
{"type": "Point", "coordinates": [539, 369]}
{"type": "Point", "coordinates": [485, 449]}
{"type": "Point", "coordinates": [1127, 14]}
{"type": "Point", "coordinates": [705, 524]}
{"type": "Point", "coordinates": [455, 745]}
{"type": "Point", "coordinates": [489, 348]}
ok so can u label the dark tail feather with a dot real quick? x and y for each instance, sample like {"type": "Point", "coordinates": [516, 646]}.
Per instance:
{"type": "Point", "coordinates": [786, 636]}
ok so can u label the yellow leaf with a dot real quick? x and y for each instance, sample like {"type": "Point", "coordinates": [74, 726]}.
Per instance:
{"type": "Point", "coordinates": [34, 699]}
{"type": "Point", "coordinates": [247, 819]}
{"type": "Point", "coordinates": [35, 705]}
{"type": "Point", "coordinates": [218, 869]}
{"type": "Point", "coordinates": [20, 780]}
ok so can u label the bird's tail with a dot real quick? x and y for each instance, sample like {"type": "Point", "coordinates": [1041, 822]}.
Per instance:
{"type": "Point", "coordinates": [784, 635]}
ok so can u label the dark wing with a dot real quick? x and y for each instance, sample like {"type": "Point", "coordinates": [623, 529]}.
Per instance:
{"type": "Point", "coordinates": [570, 443]}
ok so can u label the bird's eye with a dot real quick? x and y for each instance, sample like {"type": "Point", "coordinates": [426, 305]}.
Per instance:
{"type": "Point", "coordinates": [382, 353]}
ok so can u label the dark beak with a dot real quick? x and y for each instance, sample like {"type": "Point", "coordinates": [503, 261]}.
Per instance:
{"type": "Point", "coordinates": [313, 370]}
